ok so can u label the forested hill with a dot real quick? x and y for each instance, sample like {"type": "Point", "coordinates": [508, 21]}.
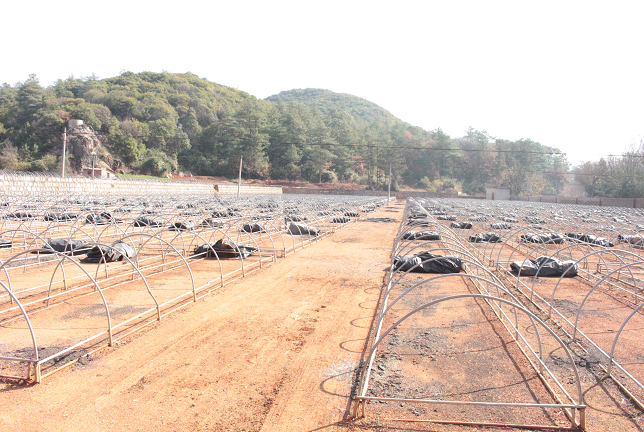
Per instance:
{"type": "Point", "coordinates": [161, 122]}
{"type": "Point", "coordinates": [326, 101]}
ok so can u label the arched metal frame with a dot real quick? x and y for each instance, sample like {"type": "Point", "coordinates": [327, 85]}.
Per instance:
{"type": "Point", "coordinates": [153, 245]}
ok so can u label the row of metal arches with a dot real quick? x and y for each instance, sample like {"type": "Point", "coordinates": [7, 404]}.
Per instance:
{"type": "Point", "coordinates": [504, 304]}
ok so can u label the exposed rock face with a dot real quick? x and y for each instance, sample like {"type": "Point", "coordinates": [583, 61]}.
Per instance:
{"type": "Point", "coordinates": [82, 141]}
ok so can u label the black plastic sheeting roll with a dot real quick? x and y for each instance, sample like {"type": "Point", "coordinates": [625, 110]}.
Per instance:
{"type": "Point", "coordinates": [589, 238]}
{"type": "Point", "coordinates": [299, 229]}
{"type": "Point", "coordinates": [60, 217]}
{"type": "Point", "coordinates": [145, 221]}
{"type": "Point", "coordinates": [225, 249]}
{"type": "Point", "coordinates": [183, 226]}
{"type": "Point", "coordinates": [100, 254]}
{"type": "Point", "coordinates": [443, 264]}
{"type": "Point", "coordinates": [64, 245]}
{"type": "Point", "coordinates": [341, 219]}
{"type": "Point", "coordinates": [550, 238]}
{"type": "Point", "coordinates": [210, 222]}
{"type": "Point", "coordinates": [296, 218]}
{"type": "Point", "coordinates": [421, 235]}
{"type": "Point", "coordinates": [252, 228]}
{"type": "Point", "coordinates": [489, 237]}
{"type": "Point", "coordinates": [632, 239]}
{"type": "Point", "coordinates": [461, 225]}
{"type": "Point", "coordinates": [550, 267]}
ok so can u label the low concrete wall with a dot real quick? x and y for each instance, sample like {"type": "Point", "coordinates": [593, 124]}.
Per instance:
{"type": "Point", "coordinates": [362, 192]}
{"type": "Point", "coordinates": [31, 185]}
{"type": "Point", "coordinates": [247, 189]}
{"type": "Point", "coordinates": [603, 202]}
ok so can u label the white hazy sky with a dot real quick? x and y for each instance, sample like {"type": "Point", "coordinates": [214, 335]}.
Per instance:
{"type": "Point", "coordinates": [568, 74]}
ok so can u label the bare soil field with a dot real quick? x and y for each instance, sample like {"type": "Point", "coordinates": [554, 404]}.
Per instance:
{"type": "Point", "coordinates": [281, 350]}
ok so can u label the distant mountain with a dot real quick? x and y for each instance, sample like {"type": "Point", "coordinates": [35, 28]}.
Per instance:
{"type": "Point", "coordinates": [326, 101]}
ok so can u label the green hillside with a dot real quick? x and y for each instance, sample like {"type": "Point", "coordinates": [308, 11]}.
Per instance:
{"type": "Point", "coordinates": [326, 101]}
{"type": "Point", "coordinates": [156, 123]}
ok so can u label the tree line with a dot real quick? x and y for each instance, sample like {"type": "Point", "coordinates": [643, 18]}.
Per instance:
{"type": "Point", "coordinates": [157, 123]}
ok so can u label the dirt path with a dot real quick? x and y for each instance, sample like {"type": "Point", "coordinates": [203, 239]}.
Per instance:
{"type": "Point", "coordinates": [276, 351]}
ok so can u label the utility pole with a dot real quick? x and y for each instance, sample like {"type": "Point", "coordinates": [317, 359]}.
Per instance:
{"type": "Point", "coordinates": [239, 183]}
{"type": "Point", "coordinates": [389, 188]}
{"type": "Point", "coordinates": [64, 150]}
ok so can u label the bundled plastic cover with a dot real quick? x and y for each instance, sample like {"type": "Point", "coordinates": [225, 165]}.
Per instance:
{"type": "Point", "coordinates": [225, 249]}
{"type": "Point", "coordinates": [19, 216]}
{"type": "Point", "coordinates": [64, 245]}
{"type": "Point", "coordinates": [296, 218]}
{"type": "Point", "coordinates": [146, 221]}
{"type": "Point", "coordinates": [251, 228]}
{"type": "Point", "coordinates": [299, 229]}
{"type": "Point", "coordinates": [632, 239]}
{"type": "Point", "coordinates": [549, 267]}
{"type": "Point", "coordinates": [418, 215]}
{"type": "Point", "coordinates": [443, 264]}
{"type": "Point", "coordinates": [461, 225]}
{"type": "Point", "coordinates": [351, 214]}
{"type": "Point", "coordinates": [447, 218]}
{"type": "Point", "coordinates": [101, 254]}
{"type": "Point", "coordinates": [501, 225]}
{"type": "Point", "coordinates": [421, 235]}
{"type": "Point", "coordinates": [5, 244]}
{"type": "Point", "coordinates": [220, 214]}
{"type": "Point", "coordinates": [183, 226]}
{"type": "Point", "coordinates": [341, 219]}
{"type": "Point", "coordinates": [210, 222]}
{"type": "Point", "coordinates": [489, 237]}
{"type": "Point", "coordinates": [60, 217]}
{"type": "Point", "coordinates": [100, 219]}
{"type": "Point", "coordinates": [549, 238]}
{"type": "Point", "coordinates": [588, 238]}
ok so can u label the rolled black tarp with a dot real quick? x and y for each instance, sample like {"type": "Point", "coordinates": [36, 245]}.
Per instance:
{"type": "Point", "coordinates": [252, 228]}
{"type": "Point", "coordinates": [213, 223]}
{"type": "Point", "coordinates": [145, 221]}
{"type": "Point", "coordinates": [19, 216]}
{"type": "Point", "coordinates": [101, 219]}
{"type": "Point", "coordinates": [351, 214]}
{"type": "Point", "coordinates": [225, 249]}
{"type": "Point", "coordinates": [589, 238]}
{"type": "Point", "coordinates": [443, 264]}
{"type": "Point", "coordinates": [341, 219]}
{"type": "Point", "coordinates": [100, 254]}
{"type": "Point", "coordinates": [551, 238]}
{"type": "Point", "coordinates": [632, 239]}
{"type": "Point", "coordinates": [299, 229]}
{"type": "Point", "coordinates": [296, 218]}
{"type": "Point", "coordinates": [461, 225]}
{"type": "Point", "coordinates": [60, 217]}
{"type": "Point", "coordinates": [64, 245]}
{"type": "Point", "coordinates": [421, 235]}
{"type": "Point", "coordinates": [489, 237]}
{"type": "Point", "coordinates": [183, 226]}
{"type": "Point", "coordinates": [549, 267]}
